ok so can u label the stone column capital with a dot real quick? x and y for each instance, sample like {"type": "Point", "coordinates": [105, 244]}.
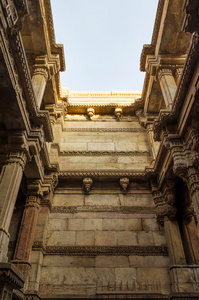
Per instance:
{"type": "Point", "coordinates": [164, 72]}
{"type": "Point", "coordinates": [16, 157]}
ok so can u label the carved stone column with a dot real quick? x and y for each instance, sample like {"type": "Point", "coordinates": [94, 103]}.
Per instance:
{"type": "Point", "coordinates": [39, 80]}
{"type": "Point", "coordinates": [168, 86]}
{"type": "Point", "coordinates": [178, 74]}
{"type": "Point", "coordinates": [193, 186]}
{"type": "Point", "coordinates": [166, 213]}
{"type": "Point", "coordinates": [154, 145]}
{"type": "Point", "coordinates": [10, 180]}
{"type": "Point", "coordinates": [26, 234]}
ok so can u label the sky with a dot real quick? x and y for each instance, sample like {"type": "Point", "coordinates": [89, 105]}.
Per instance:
{"type": "Point", "coordinates": [103, 40]}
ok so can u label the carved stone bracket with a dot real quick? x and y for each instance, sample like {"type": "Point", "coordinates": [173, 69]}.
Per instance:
{"type": "Point", "coordinates": [90, 112]}
{"type": "Point", "coordinates": [164, 202]}
{"type": "Point", "coordinates": [124, 182]}
{"type": "Point", "coordinates": [87, 181]}
{"type": "Point", "coordinates": [118, 113]}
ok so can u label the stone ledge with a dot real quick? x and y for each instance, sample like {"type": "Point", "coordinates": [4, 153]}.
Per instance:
{"type": "Point", "coordinates": [103, 250]}
{"type": "Point", "coordinates": [10, 274]}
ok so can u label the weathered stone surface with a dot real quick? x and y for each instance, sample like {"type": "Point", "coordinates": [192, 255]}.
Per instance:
{"type": "Point", "coordinates": [105, 238]}
{"type": "Point", "coordinates": [132, 224]}
{"type": "Point", "coordinates": [149, 261]}
{"type": "Point", "coordinates": [145, 238]}
{"type": "Point", "coordinates": [125, 275]}
{"type": "Point", "coordinates": [127, 238]}
{"type": "Point", "coordinates": [112, 261]}
{"type": "Point", "coordinates": [113, 224]}
{"type": "Point", "coordinates": [61, 238]}
{"type": "Point", "coordinates": [150, 224]}
{"type": "Point", "coordinates": [159, 238]}
{"type": "Point", "coordinates": [138, 200]}
{"type": "Point", "coordinates": [75, 224]}
{"type": "Point", "coordinates": [57, 224]}
{"type": "Point", "coordinates": [100, 199]}
{"type": "Point", "coordinates": [85, 238]}
{"type": "Point", "coordinates": [68, 200]}
{"type": "Point", "coordinates": [68, 261]}
{"type": "Point", "coordinates": [93, 224]}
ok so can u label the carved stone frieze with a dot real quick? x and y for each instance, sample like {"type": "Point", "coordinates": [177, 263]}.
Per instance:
{"type": "Point", "coordinates": [107, 174]}
{"type": "Point", "coordinates": [108, 250]}
{"type": "Point", "coordinates": [102, 208]}
{"type": "Point", "coordinates": [104, 129]}
{"type": "Point", "coordinates": [104, 153]}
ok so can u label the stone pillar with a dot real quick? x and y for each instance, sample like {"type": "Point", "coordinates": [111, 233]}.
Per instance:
{"type": "Point", "coordinates": [178, 74]}
{"type": "Point", "coordinates": [166, 213]}
{"type": "Point", "coordinates": [168, 86]}
{"type": "Point", "coordinates": [10, 180]}
{"type": "Point", "coordinates": [39, 80]}
{"type": "Point", "coordinates": [26, 234]}
{"type": "Point", "coordinates": [154, 145]}
{"type": "Point", "coordinates": [193, 186]}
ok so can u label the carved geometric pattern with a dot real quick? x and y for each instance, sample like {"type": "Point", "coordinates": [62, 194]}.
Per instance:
{"type": "Point", "coordinates": [108, 250]}
{"type": "Point", "coordinates": [102, 153]}
{"type": "Point", "coordinates": [122, 209]}
{"type": "Point", "coordinates": [104, 129]}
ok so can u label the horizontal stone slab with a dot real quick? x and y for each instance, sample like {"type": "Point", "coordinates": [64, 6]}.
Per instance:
{"type": "Point", "coordinates": [101, 250]}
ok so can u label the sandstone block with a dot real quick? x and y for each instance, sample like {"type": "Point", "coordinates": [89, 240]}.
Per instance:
{"type": "Point", "coordinates": [112, 261]}
{"type": "Point", "coordinates": [126, 238]}
{"type": "Point", "coordinates": [93, 224]}
{"type": "Point", "coordinates": [145, 238]}
{"type": "Point", "coordinates": [100, 199]}
{"type": "Point", "coordinates": [150, 224]}
{"type": "Point", "coordinates": [68, 261]}
{"type": "Point", "coordinates": [68, 199]}
{"type": "Point", "coordinates": [62, 238]}
{"type": "Point", "coordinates": [105, 238]}
{"type": "Point", "coordinates": [85, 238]}
{"type": "Point", "coordinates": [75, 224]}
{"type": "Point", "coordinates": [132, 224]}
{"type": "Point", "coordinates": [149, 261]}
{"type": "Point", "coordinates": [113, 224]}
{"type": "Point", "coordinates": [159, 238]}
{"type": "Point", "coordinates": [124, 275]}
{"type": "Point", "coordinates": [57, 224]}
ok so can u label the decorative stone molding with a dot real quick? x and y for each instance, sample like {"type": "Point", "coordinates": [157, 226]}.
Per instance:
{"type": "Point", "coordinates": [93, 129]}
{"type": "Point", "coordinates": [124, 182]}
{"type": "Point", "coordinates": [90, 112]}
{"type": "Point", "coordinates": [9, 274]}
{"type": "Point", "coordinates": [102, 208]}
{"type": "Point", "coordinates": [103, 250]}
{"type": "Point", "coordinates": [104, 153]}
{"type": "Point", "coordinates": [107, 174]}
{"type": "Point", "coordinates": [87, 181]}
{"type": "Point", "coordinates": [118, 113]}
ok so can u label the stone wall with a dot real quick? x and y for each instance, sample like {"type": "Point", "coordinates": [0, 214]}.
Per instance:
{"type": "Point", "coordinates": [104, 240]}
